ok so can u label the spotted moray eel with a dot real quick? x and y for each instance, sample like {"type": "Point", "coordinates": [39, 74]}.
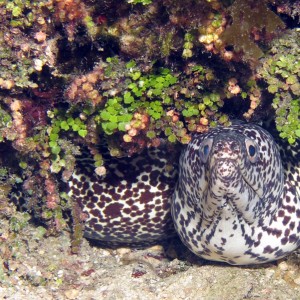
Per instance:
{"type": "Point", "coordinates": [237, 199]}
{"type": "Point", "coordinates": [130, 205]}
{"type": "Point", "coordinates": [234, 200]}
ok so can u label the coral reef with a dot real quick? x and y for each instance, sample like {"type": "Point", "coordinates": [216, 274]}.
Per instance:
{"type": "Point", "coordinates": [23, 54]}
{"type": "Point", "coordinates": [75, 74]}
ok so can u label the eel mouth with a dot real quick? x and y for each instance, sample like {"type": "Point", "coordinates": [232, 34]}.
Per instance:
{"type": "Point", "coordinates": [256, 191]}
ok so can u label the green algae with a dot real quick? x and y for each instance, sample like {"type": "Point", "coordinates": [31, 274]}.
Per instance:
{"type": "Point", "coordinates": [281, 71]}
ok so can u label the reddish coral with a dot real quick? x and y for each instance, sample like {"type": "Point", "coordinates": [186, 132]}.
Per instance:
{"type": "Point", "coordinates": [18, 125]}
{"type": "Point", "coordinates": [71, 12]}
{"type": "Point", "coordinates": [52, 198]}
{"type": "Point", "coordinates": [233, 87]}
{"type": "Point", "coordinates": [101, 20]}
{"type": "Point", "coordinates": [84, 88]}
{"type": "Point", "coordinates": [34, 114]}
{"type": "Point", "coordinates": [69, 9]}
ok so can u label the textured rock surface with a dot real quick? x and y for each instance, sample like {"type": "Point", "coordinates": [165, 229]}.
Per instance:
{"type": "Point", "coordinates": [43, 268]}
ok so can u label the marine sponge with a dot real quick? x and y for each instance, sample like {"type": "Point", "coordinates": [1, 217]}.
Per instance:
{"type": "Point", "coordinates": [248, 27]}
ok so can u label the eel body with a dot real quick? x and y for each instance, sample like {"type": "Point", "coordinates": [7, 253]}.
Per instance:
{"type": "Point", "coordinates": [130, 205]}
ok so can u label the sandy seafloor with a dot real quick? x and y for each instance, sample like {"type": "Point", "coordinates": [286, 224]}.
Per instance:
{"type": "Point", "coordinates": [34, 267]}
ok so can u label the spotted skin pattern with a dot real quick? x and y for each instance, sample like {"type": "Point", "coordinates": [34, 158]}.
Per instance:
{"type": "Point", "coordinates": [130, 205]}
{"type": "Point", "coordinates": [236, 199]}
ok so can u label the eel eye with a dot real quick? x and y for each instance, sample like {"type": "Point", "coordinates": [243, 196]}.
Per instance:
{"type": "Point", "coordinates": [205, 150]}
{"type": "Point", "coordinates": [252, 150]}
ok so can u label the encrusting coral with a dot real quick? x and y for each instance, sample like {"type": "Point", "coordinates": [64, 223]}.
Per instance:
{"type": "Point", "coordinates": [247, 21]}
